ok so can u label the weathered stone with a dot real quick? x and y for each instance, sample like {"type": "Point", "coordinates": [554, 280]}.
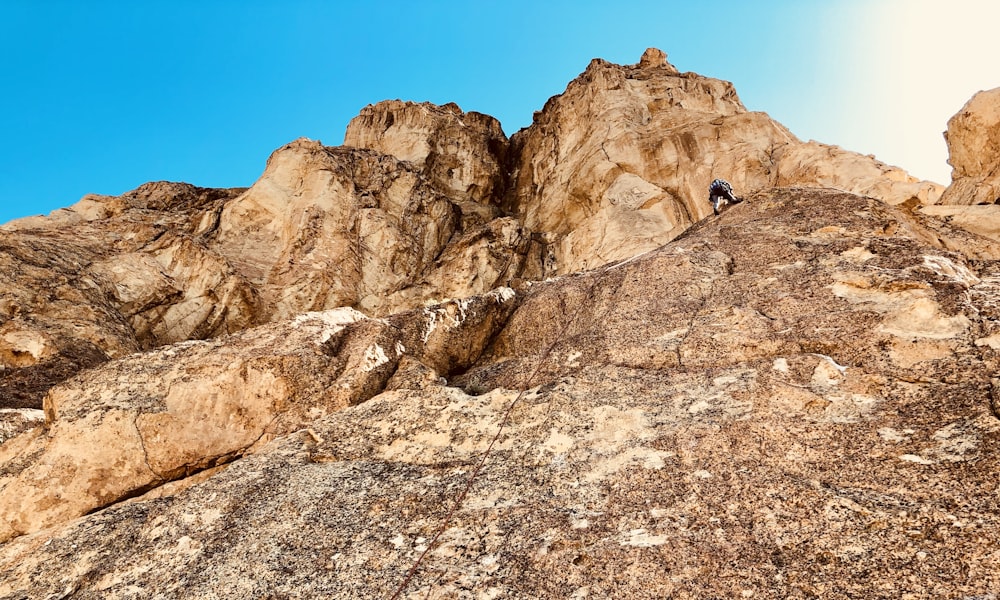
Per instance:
{"type": "Point", "coordinates": [14, 421]}
{"type": "Point", "coordinates": [327, 227]}
{"type": "Point", "coordinates": [973, 138]}
{"type": "Point", "coordinates": [982, 220]}
{"type": "Point", "coordinates": [620, 162]}
{"type": "Point", "coordinates": [791, 397]}
{"type": "Point", "coordinates": [55, 319]}
{"type": "Point", "coordinates": [134, 424]}
{"type": "Point", "coordinates": [795, 398]}
{"type": "Point", "coordinates": [815, 164]}
{"type": "Point", "coordinates": [461, 153]}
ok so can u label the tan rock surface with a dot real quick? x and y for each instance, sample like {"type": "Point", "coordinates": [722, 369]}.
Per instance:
{"type": "Point", "coordinates": [327, 227]}
{"type": "Point", "coordinates": [981, 219]}
{"type": "Point", "coordinates": [793, 399]}
{"type": "Point", "coordinates": [54, 316]}
{"type": "Point", "coordinates": [107, 279]}
{"type": "Point", "coordinates": [15, 421]}
{"type": "Point", "coordinates": [422, 203]}
{"type": "Point", "coordinates": [137, 423]}
{"type": "Point", "coordinates": [620, 163]}
{"type": "Point", "coordinates": [322, 228]}
{"type": "Point", "coordinates": [973, 138]}
{"type": "Point", "coordinates": [460, 153]}
{"type": "Point", "coordinates": [821, 165]}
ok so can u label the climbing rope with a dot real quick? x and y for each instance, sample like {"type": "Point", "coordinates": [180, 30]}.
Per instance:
{"type": "Point", "coordinates": [482, 461]}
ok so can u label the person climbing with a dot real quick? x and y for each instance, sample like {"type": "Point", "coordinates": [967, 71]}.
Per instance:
{"type": "Point", "coordinates": [720, 193]}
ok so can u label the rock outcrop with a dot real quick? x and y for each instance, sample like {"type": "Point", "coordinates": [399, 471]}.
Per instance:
{"type": "Point", "coordinates": [121, 429]}
{"type": "Point", "coordinates": [421, 204]}
{"type": "Point", "coordinates": [328, 227]}
{"type": "Point", "coordinates": [794, 396]}
{"type": "Point", "coordinates": [323, 386]}
{"type": "Point", "coordinates": [620, 162]}
{"type": "Point", "coordinates": [973, 138]}
{"type": "Point", "coordinates": [461, 153]}
{"type": "Point", "coordinates": [972, 201]}
{"type": "Point", "coordinates": [107, 277]}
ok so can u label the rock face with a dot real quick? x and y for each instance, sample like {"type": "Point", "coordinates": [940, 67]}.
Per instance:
{"type": "Point", "coordinates": [110, 276]}
{"type": "Point", "coordinates": [328, 227]}
{"type": "Point", "coordinates": [422, 203]}
{"type": "Point", "coordinates": [973, 138]}
{"type": "Point", "coordinates": [972, 201]}
{"type": "Point", "coordinates": [299, 388]}
{"type": "Point", "coordinates": [620, 163]}
{"type": "Point", "coordinates": [224, 398]}
{"type": "Point", "coordinates": [791, 397]}
{"type": "Point", "coordinates": [461, 153]}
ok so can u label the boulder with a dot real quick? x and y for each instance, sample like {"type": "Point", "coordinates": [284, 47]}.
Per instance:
{"type": "Point", "coordinates": [973, 138]}
{"type": "Point", "coordinates": [135, 424]}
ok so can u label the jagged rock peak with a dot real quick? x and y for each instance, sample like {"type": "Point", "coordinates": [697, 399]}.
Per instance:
{"type": "Point", "coordinates": [405, 129]}
{"type": "Point", "coordinates": [460, 152]}
{"type": "Point", "coordinates": [656, 59]}
{"type": "Point", "coordinates": [619, 162]}
{"type": "Point", "coordinates": [685, 90]}
{"type": "Point", "coordinates": [652, 58]}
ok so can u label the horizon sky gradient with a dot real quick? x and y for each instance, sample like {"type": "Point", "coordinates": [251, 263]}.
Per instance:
{"type": "Point", "coordinates": [100, 97]}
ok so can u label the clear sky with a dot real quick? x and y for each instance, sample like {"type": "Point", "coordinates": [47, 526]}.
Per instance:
{"type": "Point", "coordinates": [101, 96]}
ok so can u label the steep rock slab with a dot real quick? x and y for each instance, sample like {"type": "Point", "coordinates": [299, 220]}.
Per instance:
{"type": "Point", "coordinates": [783, 263]}
{"type": "Point", "coordinates": [134, 424]}
{"type": "Point", "coordinates": [327, 227]}
{"type": "Point", "coordinates": [193, 404]}
{"type": "Point", "coordinates": [55, 318]}
{"type": "Point", "coordinates": [109, 276]}
{"type": "Point", "coordinates": [620, 162]}
{"type": "Point", "coordinates": [790, 400]}
{"type": "Point", "coordinates": [973, 138]}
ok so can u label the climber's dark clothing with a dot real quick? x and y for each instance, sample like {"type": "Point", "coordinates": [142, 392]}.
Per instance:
{"type": "Point", "coordinates": [720, 193]}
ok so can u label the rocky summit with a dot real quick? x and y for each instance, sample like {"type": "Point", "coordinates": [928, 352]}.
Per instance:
{"type": "Point", "coordinates": [438, 362]}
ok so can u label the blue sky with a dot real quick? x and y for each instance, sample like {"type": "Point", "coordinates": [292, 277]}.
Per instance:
{"type": "Point", "coordinates": [103, 96]}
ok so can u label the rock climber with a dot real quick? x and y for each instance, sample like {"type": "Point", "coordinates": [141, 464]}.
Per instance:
{"type": "Point", "coordinates": [720, 193]}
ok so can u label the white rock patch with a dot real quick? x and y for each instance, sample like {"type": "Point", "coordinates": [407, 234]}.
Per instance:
{"type": "Point", "coordinates": [374, 357]}
{"type": "Point", "coordinates": [946, 268]}
{"type": "Point", "coordinates": [640, 538]}
{"type": "Point", "coordinates": [332, 320]}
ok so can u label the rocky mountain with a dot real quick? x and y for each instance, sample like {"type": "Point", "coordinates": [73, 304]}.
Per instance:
{"type": "Point", "coordinates": [438, 362]}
